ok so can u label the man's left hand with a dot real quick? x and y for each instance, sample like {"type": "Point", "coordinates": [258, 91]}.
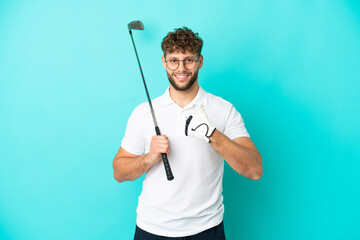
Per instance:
{"type": "Point", "coordinates": [198, 125]}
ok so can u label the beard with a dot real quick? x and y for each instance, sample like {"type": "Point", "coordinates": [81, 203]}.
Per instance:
{"type": "Point", "coordinates": [187, 86]}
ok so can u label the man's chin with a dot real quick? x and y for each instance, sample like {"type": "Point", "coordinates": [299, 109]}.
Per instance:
{"type": "Point", "coordinates": [182, 89]}
{"type": "Point", "coordinates": [183, 86]}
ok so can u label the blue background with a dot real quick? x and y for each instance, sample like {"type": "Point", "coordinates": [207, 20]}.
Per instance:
{"type": "Point", "coordinates": [69, 81]}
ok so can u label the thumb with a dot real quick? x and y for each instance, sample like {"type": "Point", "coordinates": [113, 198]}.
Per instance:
{"type": "Point", "coordinates": [201, 109]}
{"type": "Point", "coordinates": [187, 124]}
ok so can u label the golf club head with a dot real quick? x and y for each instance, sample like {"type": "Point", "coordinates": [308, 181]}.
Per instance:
{"type": "Point", "coordinates": [136, 25]}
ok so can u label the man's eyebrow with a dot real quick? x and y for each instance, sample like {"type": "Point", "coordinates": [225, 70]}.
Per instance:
{"type": "Point", "coordinates": [175, 58]}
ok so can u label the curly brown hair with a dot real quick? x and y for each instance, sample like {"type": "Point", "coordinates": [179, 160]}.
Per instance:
{"type": "Point", "coordinates": [182, 40]}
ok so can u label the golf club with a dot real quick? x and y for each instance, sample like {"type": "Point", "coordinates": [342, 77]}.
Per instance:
{"type": "Point", "coordinates": [137, 25]}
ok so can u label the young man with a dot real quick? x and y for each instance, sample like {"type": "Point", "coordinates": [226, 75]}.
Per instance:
{"type": "Point", "coordinates": [199, 131]}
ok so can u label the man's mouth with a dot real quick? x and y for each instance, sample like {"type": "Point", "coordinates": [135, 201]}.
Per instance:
{"type": "Point", "coordinates": [181, 77]}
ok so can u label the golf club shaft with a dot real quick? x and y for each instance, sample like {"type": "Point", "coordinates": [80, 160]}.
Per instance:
{"type": "Point", "coordinates": [168, 171]}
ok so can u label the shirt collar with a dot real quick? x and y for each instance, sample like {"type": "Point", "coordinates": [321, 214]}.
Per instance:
{"type": "Point", "coordinates": [201, 97]}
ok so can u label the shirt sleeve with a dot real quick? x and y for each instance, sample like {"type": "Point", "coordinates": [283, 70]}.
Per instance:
{"type": "Point", "coordinates": [133, 141]}
{"type": "Point", "coordinates": [234, 125]}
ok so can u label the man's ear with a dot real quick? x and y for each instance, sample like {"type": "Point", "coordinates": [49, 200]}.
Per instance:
{"type": "Point", "coordinates": [163, 61]}
{"type": "Point", "coordinates": [201, 61]}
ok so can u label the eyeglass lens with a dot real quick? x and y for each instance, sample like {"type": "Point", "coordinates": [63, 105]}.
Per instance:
{"type": "Point", "coordinates": [173, 64]}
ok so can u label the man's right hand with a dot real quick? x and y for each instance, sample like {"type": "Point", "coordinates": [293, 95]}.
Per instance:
{"type": "Point", "coordinates": [159, 144]}
{"type": "Point", "coordinates": [128, 167]}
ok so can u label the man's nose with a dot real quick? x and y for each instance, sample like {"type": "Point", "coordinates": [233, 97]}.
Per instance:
{"type": "Point", "coordinates": [182, 65]}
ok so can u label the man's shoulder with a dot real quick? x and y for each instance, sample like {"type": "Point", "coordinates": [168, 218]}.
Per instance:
{"type": "Point", "coordinates": [140, 108]}
{"type": "Point", "coordinates": [216, 100]}
{"type": "Point", "coordinates": [144, 106]}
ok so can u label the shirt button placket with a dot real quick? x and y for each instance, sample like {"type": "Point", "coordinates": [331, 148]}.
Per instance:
{"type": "Point", "coordinates": [180, 128]}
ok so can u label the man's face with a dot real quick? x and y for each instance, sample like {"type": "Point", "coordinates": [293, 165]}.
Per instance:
{"type": "Point", "coordinates": [182, 78]}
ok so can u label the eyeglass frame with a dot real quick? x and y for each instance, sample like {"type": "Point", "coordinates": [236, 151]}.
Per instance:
{"type": "Point", "coordinates": [166, 61]}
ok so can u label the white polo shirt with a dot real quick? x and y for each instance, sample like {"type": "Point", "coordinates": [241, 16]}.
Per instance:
{"type": "Point", "coordinates": [192, 202]}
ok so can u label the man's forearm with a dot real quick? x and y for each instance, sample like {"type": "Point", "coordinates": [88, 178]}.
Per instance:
{"type": "Point", "coordinates": [129, 169]}
{"type": "Point", "coordinates": [244, 160]}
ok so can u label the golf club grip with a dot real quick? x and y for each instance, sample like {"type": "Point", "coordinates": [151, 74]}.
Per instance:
{"type": "Point", "coordinates": [168, 171]}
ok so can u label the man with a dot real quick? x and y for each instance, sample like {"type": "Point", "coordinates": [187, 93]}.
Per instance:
{"type": "Point", "coordinates": [200, 130]}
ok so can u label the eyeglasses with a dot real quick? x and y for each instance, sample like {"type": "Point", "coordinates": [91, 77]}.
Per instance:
{"type": "Point", "coordinates": [189, 63]}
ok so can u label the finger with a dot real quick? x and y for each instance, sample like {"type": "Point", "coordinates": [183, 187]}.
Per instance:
{"type": "Point", "coordinates": [165, 150]}
{"type": "Point", "coordinates": [163, 146]}
{"type": "Point", "coordinates": [162, 139]}
{"type": "Point", "coordinates": [159, 140]}
{"type": "Point", "coordinates": [162, 150]}
{"type": "Point", "coordinates": [160, 143]}
{"type": "Point", "coordinates": [159, 136]}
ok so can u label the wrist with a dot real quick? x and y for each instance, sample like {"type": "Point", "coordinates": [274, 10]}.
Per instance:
{"type": "Point", "coordinates": [146, 162]}
{"type": "Point", "coordinates": [215, 136]}
{"type": "Point", "coordinates": [210, 134]}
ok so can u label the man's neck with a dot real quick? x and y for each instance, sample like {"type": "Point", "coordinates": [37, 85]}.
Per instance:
{"type": "Point", "coordinates": [183, 98]}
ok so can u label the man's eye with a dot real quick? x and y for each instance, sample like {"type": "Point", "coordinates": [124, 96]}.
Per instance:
{"type": "Point", "coordinates": [173, 61]}
{"type": "Point", "coordinates": [190, 60]}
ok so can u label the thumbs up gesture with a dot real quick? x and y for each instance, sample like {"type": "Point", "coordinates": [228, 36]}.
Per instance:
{"type": "Point", "coordinates": [198, 125]}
